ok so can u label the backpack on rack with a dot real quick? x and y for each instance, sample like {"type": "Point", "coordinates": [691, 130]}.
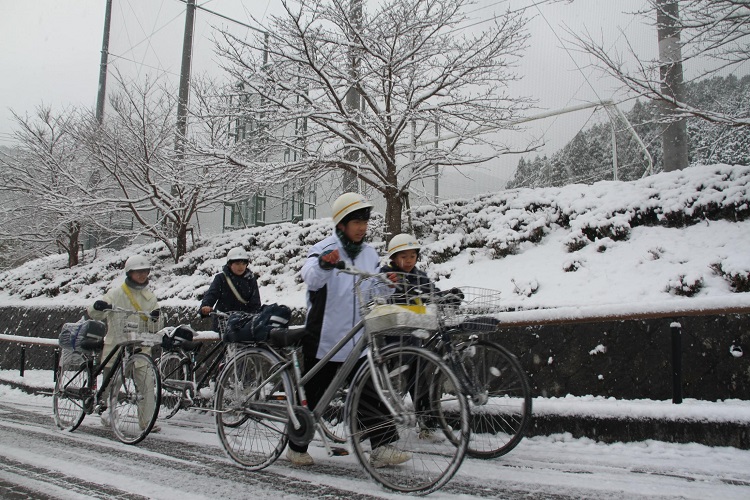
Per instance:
{"type": "Point", "coordinates": [85, 335]}
{"type": "Point", "coordinates": [247, 327]}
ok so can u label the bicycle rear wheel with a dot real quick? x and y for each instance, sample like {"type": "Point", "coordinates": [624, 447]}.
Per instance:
{"type": "Point", "coordinates": [134, 398]}
{"type": "Point", "coordinates": [174, 371]}
{"type": "Point", "coordinates": [71, 389]}
{"type": "Point", "coordinates": [251, 435]}
{"type": "Point", "coordinates": [399, 456]}
{"type": "Point", "coordinates": [333, 419]}
{"type": "Point", "coordinates": [499, 398]}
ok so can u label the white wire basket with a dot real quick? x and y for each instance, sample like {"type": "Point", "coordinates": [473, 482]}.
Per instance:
{"type": "Point", "coordinates": [398, 305]}
{"type": "Point", "coordinates": [473, 309]}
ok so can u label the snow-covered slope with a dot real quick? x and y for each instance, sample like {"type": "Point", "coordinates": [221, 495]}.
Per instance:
{"type": "Point", "coordinates": [672, 238]}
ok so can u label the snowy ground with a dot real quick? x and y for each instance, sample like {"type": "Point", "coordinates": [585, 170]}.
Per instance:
{"type": "Point", "coordinates": [185, 461]}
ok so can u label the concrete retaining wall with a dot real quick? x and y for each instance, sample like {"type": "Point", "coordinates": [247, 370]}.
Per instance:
{"type": "Point", "coordinates": [620, 359]}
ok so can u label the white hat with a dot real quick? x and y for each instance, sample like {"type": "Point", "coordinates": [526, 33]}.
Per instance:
{"type": "Point", "coordinates": [346, 204]}
{"type": "Point", "coordinates": [402, 242]}
{"type": "Point", "coordinates": [237, 253]}
{"type": "Point", "coordinates": [137, 263]}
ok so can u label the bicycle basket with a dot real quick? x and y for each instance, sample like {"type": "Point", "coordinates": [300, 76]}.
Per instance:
{"type": "Point", "coordinates": [474, 309]}
{"type": "Point", "coordinates": [393, 319]}
{"type": "Point", "coordinates": [84, 335]}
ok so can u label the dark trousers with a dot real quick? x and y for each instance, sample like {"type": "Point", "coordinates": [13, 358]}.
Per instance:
{"type": "Point", "coordinates": [372, 410]}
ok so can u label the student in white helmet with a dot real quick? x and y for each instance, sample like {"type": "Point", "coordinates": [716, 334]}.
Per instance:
{"type": "Point", "coordinates": [132, 294]}
{"type": "Point", "coordinates": [234, 288]}
{"type": "Point", "coordinates": [412, 282]}
{"type": "Point", "coordinates": [332, 310]}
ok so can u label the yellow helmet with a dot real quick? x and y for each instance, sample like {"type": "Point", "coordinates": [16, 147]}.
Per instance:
{"type": "Point", "coordinates": [346, 204]}
{"type": "Point", "coordinates": [402, 242]}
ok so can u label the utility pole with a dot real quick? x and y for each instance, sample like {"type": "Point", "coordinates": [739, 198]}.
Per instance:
{"type": "Point", "coordinates": [103, 64]}
{"type": "Point", "coordinates": [674, 134]}
{"type": "Point", "coordinates": [184, 93]}
{"type": "Point", "coordinates": [352, 99]}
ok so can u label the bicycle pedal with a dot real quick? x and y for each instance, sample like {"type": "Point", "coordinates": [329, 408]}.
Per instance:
{"type": "Point", "coordinates": [337, 451]}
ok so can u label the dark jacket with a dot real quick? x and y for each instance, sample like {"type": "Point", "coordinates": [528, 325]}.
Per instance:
{"type": "Point", "coordinates": [220, 297]}
{"type": "Point", "coordinates": [410, 286]}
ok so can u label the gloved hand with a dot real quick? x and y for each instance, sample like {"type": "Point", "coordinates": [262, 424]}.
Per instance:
{"type": "Point", "coordinates": [328, 259]}
{"type": "Point", "coordinates": [154, 314]}
{"type": "Point", "coordinates": [205, 311]}
{"type": "Point", "coordinates": [101, 305]}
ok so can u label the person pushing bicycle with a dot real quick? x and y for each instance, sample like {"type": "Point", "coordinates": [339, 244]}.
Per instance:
{"type": "Point", "coordinates": [233, 289]}
{"type": "Point", "coordinates": [333, 309]}
{"type": "Point", "coordinates": [133, 294]}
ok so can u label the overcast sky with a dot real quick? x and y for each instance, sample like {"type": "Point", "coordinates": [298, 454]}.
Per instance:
{"type": "Point", "coordinates": [51, 51]}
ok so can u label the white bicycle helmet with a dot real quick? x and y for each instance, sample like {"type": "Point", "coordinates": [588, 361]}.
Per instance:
{"type": "Point", "coordinates": [402, 242]}
{"type": "Point", "coordinates": [346, 204]}
{"type": "Point", "coordinates": [137, 263]}
{"type": "Point", "coordinates": [237, 253]}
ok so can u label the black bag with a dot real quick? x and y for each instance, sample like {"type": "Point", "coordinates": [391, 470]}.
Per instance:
{"type": "Point", "coordinates": [84, 335]}
{"type": "Point", "coordinates": [174, 338]}
{"type": "Point", "coordinates": [246, 327]}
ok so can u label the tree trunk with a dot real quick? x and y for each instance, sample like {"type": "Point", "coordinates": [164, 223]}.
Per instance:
{"type": "Point", "coordinates": [393, 207]}
{"type": "Point", "coordinates": [181, 247]}
{"type": "Point", "coordinates": [74, 235]}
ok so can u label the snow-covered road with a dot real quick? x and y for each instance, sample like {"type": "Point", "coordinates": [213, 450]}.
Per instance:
{"type": "Point", "coordinates": [186, 461]}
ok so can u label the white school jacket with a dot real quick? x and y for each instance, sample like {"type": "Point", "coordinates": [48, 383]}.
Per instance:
{"type": "Point", "coordinates": [332, 307]}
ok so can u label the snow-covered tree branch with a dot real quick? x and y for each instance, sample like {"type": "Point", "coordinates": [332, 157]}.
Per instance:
{"type": "Point", "coordinates": [418, 73]}
{"type": "Point", "coordinates": [710, 30]}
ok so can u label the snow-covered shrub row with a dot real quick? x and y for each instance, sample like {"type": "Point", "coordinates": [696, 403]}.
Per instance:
{"type": "Point", "coordinates": [501, 222]}
{"type": "Point", "coordinates": [454, 234]}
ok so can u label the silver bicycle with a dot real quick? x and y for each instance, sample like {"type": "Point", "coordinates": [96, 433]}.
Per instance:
{"type": "Point", "coordinates": [261, 404]}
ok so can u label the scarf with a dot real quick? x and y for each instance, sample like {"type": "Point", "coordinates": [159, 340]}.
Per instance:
{"type": "Point", "coordinates": [351, 248]}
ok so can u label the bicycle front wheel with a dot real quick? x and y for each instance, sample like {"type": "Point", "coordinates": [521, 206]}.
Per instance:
{"type": "Point", "coordinates": [333, 418]}
{"type": "Point", "coordinates": [174, 371]}
{"type": "Point", "coordinates": [71, 389]}
{"type": "Point", "coordinates": [134, 398]}
{"type": "Point", "coordinates": [403, 456]}
{"type": "Point", "coordinates": [499, 397]}
{"type": "Point", "coordinates": [250, 422]}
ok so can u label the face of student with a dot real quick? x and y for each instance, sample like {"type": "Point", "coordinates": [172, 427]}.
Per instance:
{"type": "Point", "coordinates": [355, 230]}
{"type": "Point", "coordinates": [238, 267]}
{"type": "Point", "coordinates": [405, 260]}
{"type": "Point", "coordinates": [139, 276]}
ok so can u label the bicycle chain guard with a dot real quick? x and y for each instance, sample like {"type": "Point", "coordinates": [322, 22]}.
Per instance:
{"type": "Point", "coordinates": [304, 435]}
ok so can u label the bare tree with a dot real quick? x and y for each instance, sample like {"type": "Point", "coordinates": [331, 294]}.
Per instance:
{"type": "Point", "coordinates": [717, 31]}
{"type": "Point", "coordinates": [418, 72]}
{"type": "Point", "coordinates": [47, 184]}
{"type": "Point", "coordinates": [161, 188]}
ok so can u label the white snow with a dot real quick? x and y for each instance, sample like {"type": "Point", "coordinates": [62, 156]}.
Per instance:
{"type": "Point", "coordinates": [551, 272]}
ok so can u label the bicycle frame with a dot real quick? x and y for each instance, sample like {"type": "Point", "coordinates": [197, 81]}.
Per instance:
{"type": "Point", "coordinates": [119, 354]}
{"type": "Point", "coordinates": [219, 348]}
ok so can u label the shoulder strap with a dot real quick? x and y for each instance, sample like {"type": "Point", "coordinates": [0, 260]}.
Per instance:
{"type": "Point", "coordinates": [234, 290]}
{"type": "Point", "coordinates": [132, 300]}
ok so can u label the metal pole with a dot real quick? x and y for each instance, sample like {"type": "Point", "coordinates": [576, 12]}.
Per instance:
{"type": "Point", "coordinates": [674, 135]}
{"type": "Point", "coordinates": [23, 358]}
{"type": "Point", "coordinates": [352, 98]}
{"type": "Point", "coordinates": [103, 64]}
{"type": "Point", "coordinates": [676, 329]}
{"type": "Point", "coordinates": [184, 93]}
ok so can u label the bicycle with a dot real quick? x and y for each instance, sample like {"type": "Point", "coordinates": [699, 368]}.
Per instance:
{"type": "Point", "coordinates": [178, 365]}
{"type": "Point", "coordinates": [491, 377]}
{"type": "Point", "coordinates": [132, 382]}
{"type": "Point", "coordinates": [262, 389]}
{"type": "Point", "coordinates": [498, 389]}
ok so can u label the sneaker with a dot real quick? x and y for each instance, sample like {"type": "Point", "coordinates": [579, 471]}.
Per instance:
{"type": "Point", "coordinates": [105, 419]}
{"type": "Point", "coordinates": [384, 456]}
{"type": "Point", "coordinates": [300, 458]}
